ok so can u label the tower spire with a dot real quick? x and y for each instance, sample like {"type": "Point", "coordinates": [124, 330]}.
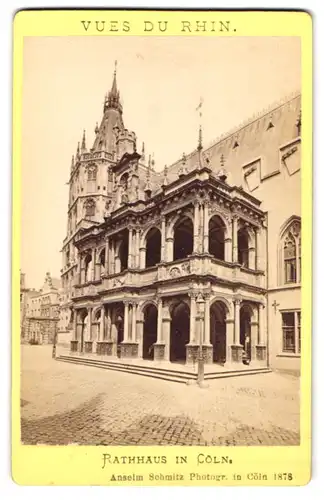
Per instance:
{"type": "Point", "coordinates": [112, 100]}
{"type": "Point", "coordinates": [83, 145]}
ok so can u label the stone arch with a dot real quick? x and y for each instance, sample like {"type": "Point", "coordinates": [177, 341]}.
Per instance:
{"type": "Point", "coordinates": [226, 303]}
{"type": "Point", "coordinates": [224, 219]}
{"type": "Point", "coordinates": [95, 311]}
{"type": "Point", "coordinates": [175, 219]}
{"type": "Point", "coordinates": [142, 307]}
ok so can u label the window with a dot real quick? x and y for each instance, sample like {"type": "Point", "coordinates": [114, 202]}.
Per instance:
{"type": "Point", "coordinates": [290, 253]}
{"type": "Point", "coordinates": [291, 335]}
{"type": "Point", "coordinates": [90, 208]}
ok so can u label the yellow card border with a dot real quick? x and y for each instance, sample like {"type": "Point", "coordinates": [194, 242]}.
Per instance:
{"type": "Point", "coordinates": [82, 465]}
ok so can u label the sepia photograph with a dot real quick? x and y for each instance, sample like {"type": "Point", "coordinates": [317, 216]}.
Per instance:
{"type": "Point", "coordinates": [161, 252]}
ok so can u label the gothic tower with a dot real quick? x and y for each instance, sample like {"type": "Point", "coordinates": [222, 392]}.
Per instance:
{"type": "Point", "coordinates": [92, 186]}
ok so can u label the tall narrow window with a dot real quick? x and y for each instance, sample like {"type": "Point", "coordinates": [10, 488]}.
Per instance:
{"type": "Point", "coordinates": [290, 261]}
{"type": "Point", "coordinates": [291, 332]}
{"type": "Point", "coordinates": [290, 253]}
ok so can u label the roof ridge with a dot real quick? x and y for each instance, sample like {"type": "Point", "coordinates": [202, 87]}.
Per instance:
{"type": "Point", "coordinates": [257, 116]}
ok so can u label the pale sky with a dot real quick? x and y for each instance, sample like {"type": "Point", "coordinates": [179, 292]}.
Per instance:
{"type": "Point", "coordinates": [161, 80]}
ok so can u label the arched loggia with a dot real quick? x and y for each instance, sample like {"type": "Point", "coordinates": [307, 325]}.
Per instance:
{"type": "Point", "coordinates": [217, 237]}
{"type": "Point", "coordinates": [183, 238]}
{"type": "Point", "coordinates": [153, 247]}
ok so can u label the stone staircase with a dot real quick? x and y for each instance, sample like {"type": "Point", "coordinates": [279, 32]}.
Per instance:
{"type": "Point", "coordinates": [182, 375]}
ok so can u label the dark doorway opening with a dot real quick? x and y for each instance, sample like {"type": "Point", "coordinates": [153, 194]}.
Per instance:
{"type": "Point", "coordinates": [217, 237]}
{"type": "Point", "coordinates": [218, 332]}
{"type": "Point", "coordinates": [153, 247]}
{"type": "Point", "coordinates": [149, 331]}
{"type": "Point", "coordinates": [123, 251]}
{"type": "Point", "coordinates": [243, 247]}
{"type": "Point", "coordinates": [180, 332]}
{"type": "Point", "coordinates": [245, 332]}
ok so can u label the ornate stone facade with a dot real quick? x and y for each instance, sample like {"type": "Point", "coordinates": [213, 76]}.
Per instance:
{"type": "Point", "coordinates": [169, 264]}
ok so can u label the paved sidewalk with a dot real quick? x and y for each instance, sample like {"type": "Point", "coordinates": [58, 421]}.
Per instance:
{"type": "Point", "coordinates": [62, 403]}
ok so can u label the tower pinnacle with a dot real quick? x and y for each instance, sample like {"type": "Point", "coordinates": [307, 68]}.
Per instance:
{"type": "Point", "coordinates": [112, 100]}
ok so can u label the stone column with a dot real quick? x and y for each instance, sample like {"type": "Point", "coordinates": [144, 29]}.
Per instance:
{"type": "Point", "coordinates": [134, 310]}
{"type": "Point", "coordinates": [228, 254]}
{"type": "Point", "coordinates": [93, 264]}
{"type": "Point", "coordinates": [254, 339]}
{"type": "Point", "coordinates": [75, 319]}
{"type": "Point", "coordinates": [166, 327]}
{"type": "Point", "coordinates": [169, 246]}
{"type": "Point", "coordinates": [261, 348]}
{"type": "Point", "coordinates": [109, 326]}
{"type": "Point", "coordinates": [234, 239]}
{"type": "Point", "coordinates": [107, 256]}
{"type": "Point", "coordinates": [137, 244]}
{"type": "Point", "coordinates": [193, 313]}
{"type": "Point", "coordinates": [206, 228]}
{"type": "Point", "coordinates": [102, 324]}
{"type": "Point", "coordinates": [78, 280]}
{"type": "Point", "coordinates": [159, 346]}
{"type": "Point", "coordinates": [142, 257]}
{"type": "Point", "coordinates": [163, 239]}
{"type": "Point", "coordinates": [237, 348]}
{"type": "Point", "coordinates": [139, 336]}
{"type": "Point", "coordinates": [237, 305]}
{"type": "Point", "coordinates": [201, 228]}
{"type": "Point", "coordinates": [252, 248]}
{"type": "Point", "coordinates": [207, 320]}
{"type": "Point", "coordinates": [229, 339]}
{"type": "Point", "coordinates": [126, 321]}
{"type": "Point", "coordinates": [159, 321]}
{"type": "Point", "coordinates": [89, 324]}
{"type": "Point", "coordinates": [130, 248]}
{"type": "Point", "coordinates": [196, 228]}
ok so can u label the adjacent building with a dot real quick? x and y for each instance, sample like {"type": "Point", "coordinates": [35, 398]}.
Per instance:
{"type": "Point", "coordinates": [41, 312]}
{"type": "Point", "coordinates": [206, 252]}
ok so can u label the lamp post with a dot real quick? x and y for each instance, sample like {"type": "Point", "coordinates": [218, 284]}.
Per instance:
{"type": "Point", "coordinates": [54, 340]}
{"type": "Point", "coordinates": [201, 368]}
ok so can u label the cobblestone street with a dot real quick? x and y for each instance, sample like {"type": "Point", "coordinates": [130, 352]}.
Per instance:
{"type": "Point", "coordinates": [62, 403]}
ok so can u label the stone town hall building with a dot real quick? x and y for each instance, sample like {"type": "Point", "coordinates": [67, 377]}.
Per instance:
{"type": "Point", "coordinates": [213, 242]}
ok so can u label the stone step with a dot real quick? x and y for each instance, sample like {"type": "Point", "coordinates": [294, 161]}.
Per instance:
{"type": "Point", "coordinates": [157, 372]}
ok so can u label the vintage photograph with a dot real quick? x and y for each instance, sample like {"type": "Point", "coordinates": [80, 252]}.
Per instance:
{"type": "Point", "coordinates": [160, 282]}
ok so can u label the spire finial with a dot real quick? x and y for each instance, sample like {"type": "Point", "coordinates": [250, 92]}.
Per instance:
{"type": "Point", "coordinates": [115, 72]}
{"type": "Point", "coordinates": [143, 151]}
{"type": "Point", "coordinates": [165, 180]}
{"type": "Point", "coordinates": [222, 160]}
{"type": "Point", "coordinates": [153, 162]}
{"type": "Point", "coordinates": [83, 146]}
{"type": "Point", "coordinates": [149, 162]}
{"type": "Point", "coordinates": [72, 162]}
{"type": "Point", "coordinates": [183, 169]}
{"type": "Point", "coordinates": [200, 139]}
{"type": "Point", "coordinates": [78, 151]}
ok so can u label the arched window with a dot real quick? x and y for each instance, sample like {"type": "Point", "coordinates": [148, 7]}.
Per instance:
{"type": "Point", "coordinates": [90, 207]}
{"type": "Point", "coordinates": [290, 252]}
{"type": "Point", "coordinates": [92, 172]}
